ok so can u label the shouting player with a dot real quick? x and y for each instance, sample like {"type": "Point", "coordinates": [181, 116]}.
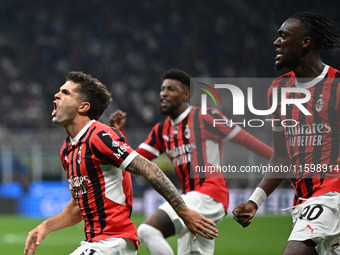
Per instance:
{"type": "Point", "coordinates": [309, 143]}
{"type": "Point", "coordinates": [199, 145]}
{"type": "Point", "coordinates": [93, 156]}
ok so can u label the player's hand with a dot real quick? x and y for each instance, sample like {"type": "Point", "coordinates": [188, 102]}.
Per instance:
{"type": "Point", "coordinates": [245, 212]}
{"type": "Point", "coordinates": [118, 119]}
{"type": "Point", "coordinates": [336, 243]}
{"type": "Point", "coordinates": [198, 224]}
{"type": "Point", "coordinates": [34, 238]}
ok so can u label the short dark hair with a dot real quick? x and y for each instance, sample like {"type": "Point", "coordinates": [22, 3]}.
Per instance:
{"type": "Point", "coordinates": [93, 91]}
{"type": "Point", "coordinates": [178, 75]}
{"type": "Point", "coordinates": [323, 31]}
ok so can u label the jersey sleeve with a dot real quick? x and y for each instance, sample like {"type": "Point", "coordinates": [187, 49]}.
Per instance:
{"type": "Point", "coordinates": [110, 147]}
{"type": "Point", "coordinates": [224, 128]}
{"type": "Point", "coordinates": [152, 146]}
{"type": "Point", "coordinates": [253, 144]}
{"type": "Point", "coordinates": [219, 126]}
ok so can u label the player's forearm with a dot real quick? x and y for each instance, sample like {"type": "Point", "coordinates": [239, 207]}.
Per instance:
{"type": "Point", "coordinates": [68, 217]}
{"type": "Point", "coordinates": [272, 179]}
{"type": "Point", "coordinates": [158, 180]}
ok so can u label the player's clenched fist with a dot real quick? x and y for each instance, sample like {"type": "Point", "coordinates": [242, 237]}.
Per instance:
{"type": "Point", "coordinates": [245, 212]}
{"type": "Point", "coordinates": [118, 119]}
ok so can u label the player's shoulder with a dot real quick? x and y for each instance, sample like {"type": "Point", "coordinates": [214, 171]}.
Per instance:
{"type": "Point", "coordinates": [100, 130]}
{"type": "Point", "coordinates": [283, 79]}
{"type": "Point", "coordinates": [333, 72]}
{"type": "Point", "coordinates": [209, 111]}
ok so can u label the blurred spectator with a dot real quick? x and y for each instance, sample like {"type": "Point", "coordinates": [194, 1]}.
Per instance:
{"type": "Point", "coordinates": [127, 45]}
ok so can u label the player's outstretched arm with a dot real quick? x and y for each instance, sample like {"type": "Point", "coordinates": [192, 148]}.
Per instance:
{"type": "Point", "coordinates": [118, 119]}
{"type": "Point", "coordinates": [195, 222]}
{"type": "Point", "coordinates": [68, 217]}
{"type": "Point", "coordinates": [244, 212]}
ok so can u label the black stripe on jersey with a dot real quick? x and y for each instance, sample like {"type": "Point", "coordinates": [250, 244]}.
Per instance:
{"type": "Point", "coordinates": [160, 136]}
{"type": "Point", "coordinates": [317, 150]}
{"type": "Point", "coordinates": [180, 167]}
{"type": "Point", "coordinates": [186, 141]}
{"type": "Point", "coordinates": [119, 134]}
{"type": "Point", "coordinates": [95, 185]}
{"type": "Point", "coordinates": [332, 117]}
{"type": "Point", "coordinates": [65, 153]}
{"type": "Point", "coordinates": [289, 115]}
{"type": "Point", "coordinates": [302, 157]}
{"type": "Point", "coordinates": [198, 139]}
{"type": "Point", "coordinates": [89, 215]}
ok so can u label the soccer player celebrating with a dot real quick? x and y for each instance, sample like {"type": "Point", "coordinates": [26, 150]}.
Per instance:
{"type": "Point", "coordinates": [93, 156]}
{"type": "Point", "coordinates": [200, 145]}
{"type": "Point", "coordinates": [309, 143]}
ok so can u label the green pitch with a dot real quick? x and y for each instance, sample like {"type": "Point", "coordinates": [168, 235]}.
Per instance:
{"type": "Point", "coordinates": [266, 235]}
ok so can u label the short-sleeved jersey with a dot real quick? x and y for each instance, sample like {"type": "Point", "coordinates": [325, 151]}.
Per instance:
{"type": "Point", "coordinates": [312, 140]}
{"type": "Point", "coordinates": [103, 191]}
{"type": "Point", "coordinates": [189, 140]}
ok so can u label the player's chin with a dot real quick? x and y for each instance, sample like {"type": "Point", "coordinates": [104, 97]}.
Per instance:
{"type": "Point", "coordinates": [278, 65]}
{"type": "Point", "coordinates": [165, 111]}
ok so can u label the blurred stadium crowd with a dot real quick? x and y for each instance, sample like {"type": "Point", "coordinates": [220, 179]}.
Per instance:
{"type": "Point", "coordinates": [128, 45]}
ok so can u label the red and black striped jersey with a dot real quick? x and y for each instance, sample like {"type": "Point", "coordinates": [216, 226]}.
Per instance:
{"type": "Point", "coordinates": [312, 140]}
{"type": "Point", "coordinates": [94, 161]}
{"type": "Point", "coordinates": [191, 140]}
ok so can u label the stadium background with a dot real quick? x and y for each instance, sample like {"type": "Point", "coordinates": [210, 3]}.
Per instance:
{"type": "Point", "coordinates": [127, 45]}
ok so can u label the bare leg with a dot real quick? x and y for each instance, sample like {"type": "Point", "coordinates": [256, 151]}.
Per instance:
{"type": "Point", "coordinates": [300, 248]}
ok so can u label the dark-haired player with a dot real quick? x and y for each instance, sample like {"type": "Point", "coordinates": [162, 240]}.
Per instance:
{"type": "Point", "coordinates": [93, 156]}
{"type": "Point", "coordinates": [188, 138]}
{"type": "Point", "coordinates": [312, 146]}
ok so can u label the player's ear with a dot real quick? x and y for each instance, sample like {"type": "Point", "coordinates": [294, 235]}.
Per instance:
{"type": "Point", "coordinates": [84, 107]}
{"type": "Point", "coordinates": [186, 93]}
{"type": "Point", "coordinates": [307, 42]}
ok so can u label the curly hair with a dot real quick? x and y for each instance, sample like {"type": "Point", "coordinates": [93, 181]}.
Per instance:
{"type": "Point", "coordinates": [178, 75]}
{"type": "Point", "coordinates": [323, 31]}
{"type": "Point", "coordinates": [92, 91]}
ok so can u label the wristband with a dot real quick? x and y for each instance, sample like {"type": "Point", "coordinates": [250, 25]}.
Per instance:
{"type": "Point", "coordinates": [258, 196]}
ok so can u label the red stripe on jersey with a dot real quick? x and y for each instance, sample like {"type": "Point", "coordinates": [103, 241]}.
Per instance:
{"type": "Point", "coordinates": [313, 144]}
{"type": "Point", "coordinates": [103, 192]}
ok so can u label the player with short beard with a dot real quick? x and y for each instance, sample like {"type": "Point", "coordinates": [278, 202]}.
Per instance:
{"type": "Point", "coordinates": [189, 139]}
{"type": "Point", "coordinates": [316, 210]}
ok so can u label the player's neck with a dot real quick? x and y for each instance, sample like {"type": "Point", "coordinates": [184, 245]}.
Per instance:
{"type": "Point", "coordinates": [309, 68]}
{"type": "Point", "coordinates": [76, 126]}
{"type": "Point", "coordinates": [178, 111]}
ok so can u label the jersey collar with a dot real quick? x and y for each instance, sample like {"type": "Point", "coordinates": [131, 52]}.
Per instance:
{"type": "Point", "coordinates": [75, 139]}
{"type": "Point", "coordinates": [307, 85]}
{"type": "Point", "coordinates": [181, 117]}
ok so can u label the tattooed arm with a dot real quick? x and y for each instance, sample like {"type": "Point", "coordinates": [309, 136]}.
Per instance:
{"type": "Point", "coordinates": [195, 222]}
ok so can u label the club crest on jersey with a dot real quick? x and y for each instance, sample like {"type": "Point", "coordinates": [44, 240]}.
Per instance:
{"type": "Point", "coordinates": [115, 143]}
{"type": "Point", "coordinates": [187, 133]}
{"type": "Point", "coordinates": [319, 104]}
{"type": "Point", "coordinates": [79, 156]}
